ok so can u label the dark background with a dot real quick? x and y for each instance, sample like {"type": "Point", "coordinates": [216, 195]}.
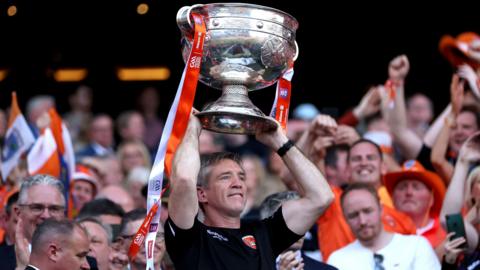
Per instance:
{"type": "Point", "coordinates": [344, 47]}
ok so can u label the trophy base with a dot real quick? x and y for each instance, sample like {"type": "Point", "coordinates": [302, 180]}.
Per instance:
{"type": "Point", "coordinates": [235, 123]}
{"type": "Point", "coordinates": [234, 113]}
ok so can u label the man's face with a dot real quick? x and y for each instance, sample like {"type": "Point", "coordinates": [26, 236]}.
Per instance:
{"type": "Point", "coordinates": [101, 131]}
{"type": "Point", "coordinates": [363, 215]}
{"type": "Point", "coordinates": [99, 247]}
{"type": "Point", "coordinates": [226, 190]}
{"type": "Point", "coordinates": [365, 164]}
{"type": "Point", "coordinates": [82, 192]}
{"type": "Point", "coordinates": [42, 202]}
{"type": "Point", "coordinates": [135, 128]}
{"type": "Point", "coordinates": [74, 252]}
{"type": "Point", "coordinates": [419, 110]}
{"type": "Point", "coordinates": [129, 232]}
{"type": "Point", "coordinates": [466, 126]}
{"type": "Point", "coordinates": [140, 261]}
{"type": "Point", "coordinates": [412, 197]}
{"type": "Point", "coordinates": [118, 259]}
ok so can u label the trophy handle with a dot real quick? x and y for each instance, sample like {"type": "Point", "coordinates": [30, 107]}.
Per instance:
{"type": "Point", "coordinates": [297, 51]}
{"type": "Point", "coordinates": [183, 19]}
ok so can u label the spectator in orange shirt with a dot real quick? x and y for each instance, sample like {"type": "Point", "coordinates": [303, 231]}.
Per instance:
{"type": "Point", "coordinates": [366, 164]}
{"type": "Point", "coordinates": [375, 248]}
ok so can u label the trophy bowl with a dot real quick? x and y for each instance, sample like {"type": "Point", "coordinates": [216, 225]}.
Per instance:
{"type": "Point", "coordinates": [247, 47]}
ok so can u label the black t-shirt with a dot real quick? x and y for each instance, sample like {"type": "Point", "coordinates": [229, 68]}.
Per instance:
{"type": "Point", "coordinates": [254, 246]}
{"type": "Point", "coordinates": [424, 158]}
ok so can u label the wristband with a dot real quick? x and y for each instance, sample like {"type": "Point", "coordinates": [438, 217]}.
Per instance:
{"type": "Point", "coordinates": [285, 147]}
{"type": "Point", "coordinates": [394, 83]}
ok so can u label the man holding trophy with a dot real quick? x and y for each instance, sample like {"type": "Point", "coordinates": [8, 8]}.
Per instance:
{"type": "Point", "coordinates": [221, 241]}
{"type": "Point", "coordinates": [247, 47]}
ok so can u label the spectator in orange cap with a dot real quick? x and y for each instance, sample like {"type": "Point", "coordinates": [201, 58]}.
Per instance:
{"type": "Point", "coordinates": [84, 188]}
{"type": "Point", "coordinates": [463, 52]}
{"type": "Point", "coordinates": [419, 193]}
{"type": "Point", "coordinates": [464, 49]}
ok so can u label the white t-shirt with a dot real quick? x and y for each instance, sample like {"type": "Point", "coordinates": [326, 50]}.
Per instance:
{"type": "Point", "coordinates": [404, 252]}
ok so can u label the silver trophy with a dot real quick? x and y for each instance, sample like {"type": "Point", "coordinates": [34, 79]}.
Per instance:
{"type": "Point", "coordinates": [247, 47]}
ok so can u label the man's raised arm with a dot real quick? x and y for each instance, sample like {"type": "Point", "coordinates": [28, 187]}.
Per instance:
{"type": "Point", "coordinates": [315, 192]}
{"type": "Point", "coordinates": [183, 202]}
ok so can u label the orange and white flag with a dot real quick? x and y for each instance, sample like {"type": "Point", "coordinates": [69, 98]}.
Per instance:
{"type": "Point", "coordinates": [64, 145]}
{"type": "Point", "coordinates": [43, 157]}
{"type": "Point", "coordinates": [52, 153]}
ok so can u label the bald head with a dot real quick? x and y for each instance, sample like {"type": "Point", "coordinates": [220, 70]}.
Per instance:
{"type": "Point", "coordinates": [52, 230]}
{"type": "Point", "coordinates": [59, 244]}
{"type": "Point", "coordinates": [118, 195]}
